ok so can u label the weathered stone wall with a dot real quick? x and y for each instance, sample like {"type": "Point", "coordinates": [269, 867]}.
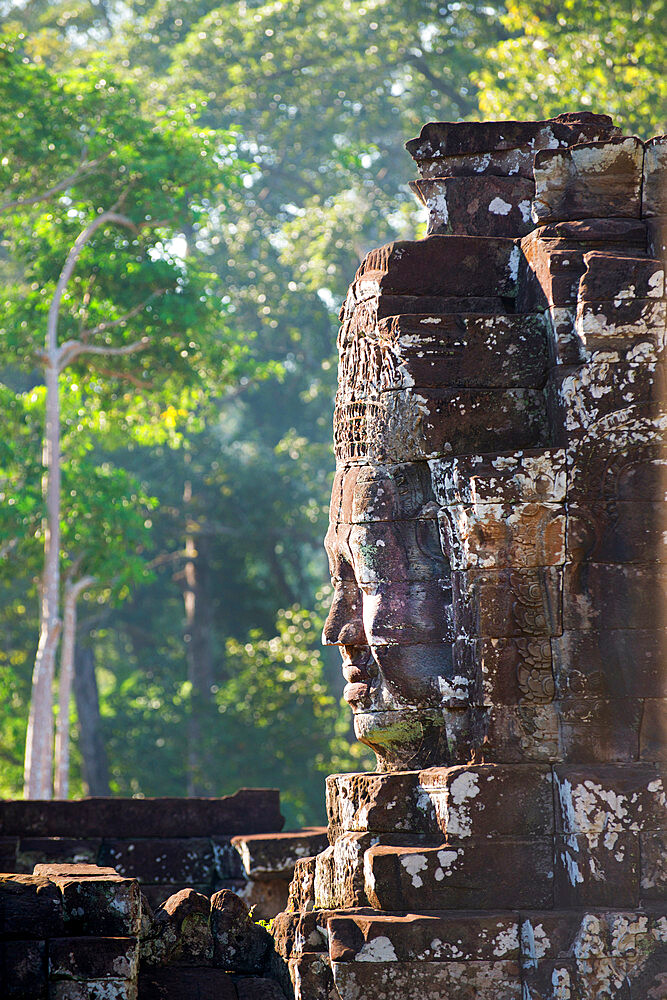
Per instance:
{"type": "Point", "coordinates": [81, 932]}
{"type": "Point", "coordinates": [167, 844]}
{"type": "Point", "coordinates": [497, 550]}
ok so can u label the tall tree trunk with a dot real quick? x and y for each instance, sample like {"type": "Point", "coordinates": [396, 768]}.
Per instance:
{"type": "Point", "coordinates": [72, 591]}
{"type": "Point", "coordinates": [38, 770]}
{"type": "Point", "coordinates": [198, 623]}
{"type": "Point", "coordinates": [93, 752]}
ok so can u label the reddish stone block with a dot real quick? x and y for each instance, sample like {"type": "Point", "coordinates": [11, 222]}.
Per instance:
{"type": "Point", "coordinates": [250, 810]}
{"type": "Point", "coordinates": [440, 139]}
{"type": "Point", "coordinates": [443, 937]}
{"type": "Point", "coordinates": [591, 232]}
{"type": "Point", "coordinates": [511, 671]}
{"type": "Point", "coordinates": [375, 803]}
{"type": "Point", "coordinates": [600, 729]}
{"type": "Point", "coordinates": [526, 476]}
{"type": "Point", "coordinates": [254, 988]}
{"type": "Point", "coordinates": [654, 193]}
{"type": "Point", "coordinates": [474, 351]}
{"type": "Point", "coordinates": [57, 850]}
{"type": "Point", "coordinates": [240, 944]}
{"type": "Point", "coordinates": [94, 989]}
{"type": "Point", "coordinates": [84, 958]}
{"type": "Point", "coordinates": [596, 799]}
{"type": "Point", "coordinates": [653, 732]}
{"type": "Point", "coordinates": [616, 532]}
{"type": "Point", "coordinates": [186, 860]}
{"type": "Point", "coordinates": [517, 162]}
{"type": "Point", "coordinates": [265, 897]}
{"type": "Point", "coordinates": [27, 902]}
{"type": "Point", "coordinates": [485, 205]}
{"type": "Point", "coordinates": [101, 906]}
{"type": "Point", "coordinates": [601, 870]}
{"type": "Point", "coordinates": [621, 325]}
{"type": "Point", "coordinates": [653, 874]}
{"type": "Point", "coordinates": [657, 236]}
{"type": "Point", "coordinates": [519, 733]}
{"type": "Point", "coordinates": [409, 426]}
{"type": "Point", "coordinates": [202, 983]}
{"type": "Point", "coordinates": [302, 886]}
{"type": "Point", "coordinates": [273, 855]}
{"type": "Point", "coordinates": [593, 178]}
{"type": "Point", "coordinates": [610, 663]}
{"type": "Point", "coordinates": [507, 602]}
{"type": "Point", "coordinates": [494, 536]}
{"type": "Point", "coordinates": [490, 800]}
{"type": "Point", "coordinates": [413, 981]}
{"type": "Point", "coordinates": [616, 596]}
{"type": "Point", "coordinates": [466, 875]}
{"type": "Point", "coordinates": [23, 969]}
{"type": "Point", "coordinates": [398, 551]}
{"type": "Point", "coordinates": [611, 276]}
{"type": "Point", "coordinates": [312, 977]}
{"type": "Point", "coordinates": [443, 265]}
{"type": "Point", "coordinates": [579, 399]}
{"type": "Point", "coordinates": [595, 474]}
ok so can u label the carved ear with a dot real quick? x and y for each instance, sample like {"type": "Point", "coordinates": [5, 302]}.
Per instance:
{"type": "Point", "coordinates": [428, 536]}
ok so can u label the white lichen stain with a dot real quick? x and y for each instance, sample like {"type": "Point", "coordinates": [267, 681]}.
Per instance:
{"type": "Point", "coordinates": [413, 864]}
{"type": "Point", "coordinates": [499, 207]}
{"type": "Point", "coordinates": [380, 949]}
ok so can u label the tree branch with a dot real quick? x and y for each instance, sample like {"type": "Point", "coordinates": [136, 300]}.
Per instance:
{"type": "Point", "coordinates": [101, 327]}
{"type": "Point", "coordinates": [71, 349]}
{"type": "Point", "coordinates": [62, 185]}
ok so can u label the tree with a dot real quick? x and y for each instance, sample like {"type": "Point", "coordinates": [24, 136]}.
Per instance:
{"type": "Point", "coordinates": [148, 179]}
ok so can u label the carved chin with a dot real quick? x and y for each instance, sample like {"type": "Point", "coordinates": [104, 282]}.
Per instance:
{"type": "Point", "coordinates": [410, 738]}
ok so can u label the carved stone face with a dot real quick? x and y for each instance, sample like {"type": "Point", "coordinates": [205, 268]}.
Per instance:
{"type": "Point", "coordinates": [391, 614]}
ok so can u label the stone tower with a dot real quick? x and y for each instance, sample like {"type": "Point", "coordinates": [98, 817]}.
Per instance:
{"type": "Point", "coordinates": [497, 547]}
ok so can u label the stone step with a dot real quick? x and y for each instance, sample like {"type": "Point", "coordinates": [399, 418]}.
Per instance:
{"type": "Point", "coordinates": [443, 265]}
{"type": "Point", "coordinates": [453, 802]}
{"type": "Point", "coordinates": [536, 955]}
{"type": "Point", "coordinates": [472, 874]}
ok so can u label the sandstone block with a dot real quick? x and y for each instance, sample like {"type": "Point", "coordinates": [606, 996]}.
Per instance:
{"type": "Point", "coordinates": [490, 800]}
{"type": "Point", "coordinates": [98, 989]}
{"type": "Point", "coordinates": [624, 326]}
{"type": "Point", "coordinates": [656, 243]}
{"type": "Point", "coordinates": [27, 902]}
{"type": "Point", "coordinates": [55, 850]}
{"type": "Point", "coordinates": [23, 969]}
{"type": "Point", "coordinates": [273, 855]}
{"type": "Point", "coordinates": [188, 860]}
{"type": "Point", "coordinates": [180, 981]}
{"type": "Point", "coordinates": [517, 162]}
{"type": "Point", "coordinates": [312, 978]}
{"type": "Point", "coordinates": [512, 671]}
{"type": "Point", "coordinates": [580, 398]}
{"type": "Point", "coordinates": [520, 733]}
{"type": "Point", "coordinates": [526, 476]}
{"type": "Point", "coordinates": [596, 800]}
{"type": "Point", "coordinates": [653, 872]}
{"type": "Point", "coordinates": [85, 958]}
{"type": "Point", "coordinates": [589, 179]}
{"type": "Point", "coordinates": [265, 897]}
{"type": "Point", "coordinates": [412, 425]}
{"type": "Point", "coordinates": [99, 905]}
{"type": "Point", "coordinates": [653, 732]}
{"type": "Point", "coordinates": [302, 886]}
{"type": "Point", "coordinates": [611, 663]}
{"type": "Point", "coordinates": [248, 810]}
{"type": "Point", "coordinates": [507, 602]}
{"type": "Point", "coordinates": [477, 206]}
{"type": "Point", "coordinates": [654, 196]}
{"type": "Point", "coordinates": [605, 875]}
{"type": "Point", "coordinates": [464, 350]}
{"type": "Point", "coordinates": [596, 474]}
{"type": "Point", "coordinates": [364, 494]}
{"type": "Point", "coordinates": [376, 803]}
{"type": "Point", "coordinates": [474, 874]}
{"type": "Point", "coordinates": [254, 988]}
{"type": "Point", "coordinates": [616, 532]}
{"type": "Point", "coordinates": [614, 276]}
{"type": "Point", "coordinates": [613, 595]}
{"type": "Point", "coordinates": [414, 981]}
{"type": "Point", "coordinates": [443, 937]}
{"type": "Point", "coordinates": [439, 139]}
{"type": "Point", "coordinates": [495, 536]}
{"type": "Point", "coordinates": [590, 233]}
{"type": "Point", "coordinates": [600, 729]}
{"type": "Point", "coordinates": [181, 931]}
{"type": "Point", "coordinates": [398, 551]}
{"type": "Point", "coordinates": [443, 265]}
